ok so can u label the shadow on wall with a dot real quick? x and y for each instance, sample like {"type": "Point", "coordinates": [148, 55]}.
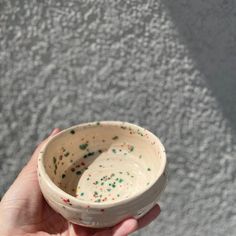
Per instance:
{"type": "Point", "coordinates": [208, 29]}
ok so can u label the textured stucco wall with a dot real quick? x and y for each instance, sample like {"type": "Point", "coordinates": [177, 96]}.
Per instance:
{"type": "Point", "coordinates": [166, 65]}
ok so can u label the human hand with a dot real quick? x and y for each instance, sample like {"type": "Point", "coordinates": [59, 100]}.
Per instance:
{"type": "Point", "coordinates": [23, 210]}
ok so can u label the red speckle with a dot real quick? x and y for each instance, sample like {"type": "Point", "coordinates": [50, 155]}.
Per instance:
{"type": "Point", "coordinates": [104, 199]}
{"type": "Point", "coordinates": [65, 200]}
{"type": "Point", "coordinates": [102, 210]}
{"type": "Point", "coordinates": [88, 206]}
{"type": "Point", "coordinates": [82, 163]}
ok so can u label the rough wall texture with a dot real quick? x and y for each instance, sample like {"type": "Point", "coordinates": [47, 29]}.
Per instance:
{"type": "Point", "coordinates": [166, 65]}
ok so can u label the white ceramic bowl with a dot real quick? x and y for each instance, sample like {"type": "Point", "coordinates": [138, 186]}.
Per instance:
{"type": "Point", "coordinates": [98, 174]}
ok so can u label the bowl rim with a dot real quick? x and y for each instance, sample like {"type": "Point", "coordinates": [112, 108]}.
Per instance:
{"type": "Point", "coordinates": [44, 176]}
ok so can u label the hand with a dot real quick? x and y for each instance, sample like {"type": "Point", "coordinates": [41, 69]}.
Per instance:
{"type": "Point", "coordinates": [23, 210]}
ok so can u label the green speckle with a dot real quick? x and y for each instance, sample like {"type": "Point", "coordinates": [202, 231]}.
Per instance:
{"type": "Point", "coordinates": [83, 146]}
{"type": "Point", "coordinates": [82, 194]}
{"type": "Point", "coordinates": [63, 176]}
{"type": "Point", "coordinates": [102, 183]}
{"type": "Point", "coordinates": [121, 180]}
{"type": "Point", "coordinates": [148, 169]}
{"type": "Point", "coordinates": [121, 172]}
{"type": "Point", "coordinates": [72, 131]}
{"type": "Point", "coordinates": [66, 154]}
{"type": "Point", "coordinates": [98, 200]}
{"type": "Point", "coordinates": [148, 183]}
{"type": "Point", "coordinates": [108, 189]}
{"type": "Point", "coordinates": [78, 172]}
{"type": "Point", "coordinates": [113, 185]}
{"type": "Point", "coordinates": [115, 138]}
{"type": "Point", "coordinates": [114, 150]}
{"type": "Point", "coordinates": [140, 156]}
{"type": "Point", "coordinates": [54, 160]}
{"type": "Point", "coordinates": [98, 123]}
{"type": "Point", "coordinates": [118, 195]}
{"type": "Point", "coordinates": [89, 154]}
{"type": "Point", "coordinates": [87, 179]}
{"type": "Point", "coordinates": [131, 148]}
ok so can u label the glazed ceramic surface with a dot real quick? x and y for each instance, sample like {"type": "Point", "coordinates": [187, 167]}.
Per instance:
{"type": "Point", "coordinates": [97, 174]}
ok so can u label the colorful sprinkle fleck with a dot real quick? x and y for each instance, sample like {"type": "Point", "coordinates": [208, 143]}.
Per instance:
{"type": "Point", "coordinates": [131, 148]}
{"type": "Point", "coordinates": [66, 154]}
{"type": "Point", "coordinates": [83, 146]}
{"type": "Point", "coordinates": [63, 176]}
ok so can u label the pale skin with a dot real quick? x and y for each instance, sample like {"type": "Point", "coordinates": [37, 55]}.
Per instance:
{"type": "Point", "coordinates": [23, 210]}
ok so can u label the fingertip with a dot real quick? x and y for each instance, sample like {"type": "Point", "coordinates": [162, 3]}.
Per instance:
{"type": "Point", "coordinates": [55, 131]}
{"type": "Point", "coordinates": [149, 217]}
{"type": "Point", "coordinates": [157, 208]}
{"type": "Point", "coordinates": [126, 227]}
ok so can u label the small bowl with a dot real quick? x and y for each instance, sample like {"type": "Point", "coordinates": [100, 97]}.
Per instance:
{"type": "Point", "coordinates": [98, 174]}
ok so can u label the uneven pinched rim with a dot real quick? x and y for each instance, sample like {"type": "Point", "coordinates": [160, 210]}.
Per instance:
{"type": "Point", "coordinates": [76, 202]}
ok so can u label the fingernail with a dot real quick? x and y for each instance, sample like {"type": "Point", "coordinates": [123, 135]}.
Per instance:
{"type": "Point", "coordinates": [56, 130]}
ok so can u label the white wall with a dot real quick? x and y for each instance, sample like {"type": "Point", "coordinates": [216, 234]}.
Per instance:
{"type": "Point", "coordinates": [166, 65]}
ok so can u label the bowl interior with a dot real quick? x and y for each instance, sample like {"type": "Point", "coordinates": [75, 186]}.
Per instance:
{"type": "Point", "coordinates": [103, 161]}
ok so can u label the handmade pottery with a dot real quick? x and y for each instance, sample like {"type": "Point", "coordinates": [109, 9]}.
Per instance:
{"type": "Point", "coordinates": [98, 174]}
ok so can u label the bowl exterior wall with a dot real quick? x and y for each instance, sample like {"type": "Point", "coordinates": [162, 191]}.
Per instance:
{"type": "Point", "coordinates": [104, 216]}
